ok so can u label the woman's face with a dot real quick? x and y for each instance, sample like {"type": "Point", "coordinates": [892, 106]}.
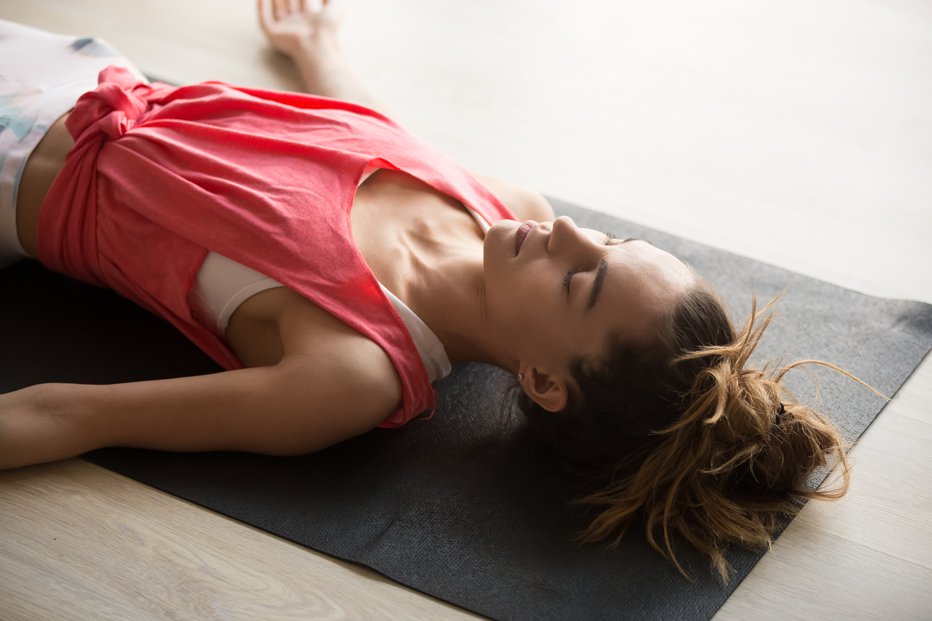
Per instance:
{"type": "Point", "coordinates": [555, 291]}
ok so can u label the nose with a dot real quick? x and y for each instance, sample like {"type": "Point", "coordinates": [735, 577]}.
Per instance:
{"type": "Point", "coordinates": [567, 238]}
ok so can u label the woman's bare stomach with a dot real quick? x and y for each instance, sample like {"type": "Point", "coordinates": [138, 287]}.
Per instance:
{"type": "Point", "coordinates": [44, 163]}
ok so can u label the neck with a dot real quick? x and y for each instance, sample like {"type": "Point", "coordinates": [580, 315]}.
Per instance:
{"type": "Point", "coordinates": [447, 291]}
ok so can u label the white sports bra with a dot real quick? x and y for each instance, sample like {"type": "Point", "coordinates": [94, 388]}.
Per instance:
{"type": "Point", "coordinates": [223, 284]}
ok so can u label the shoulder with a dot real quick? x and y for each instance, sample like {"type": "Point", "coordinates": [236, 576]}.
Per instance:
{"type": "Point", "coordinates": [525, 203]}
{"type": "Point", "coordinates": [339, 364]}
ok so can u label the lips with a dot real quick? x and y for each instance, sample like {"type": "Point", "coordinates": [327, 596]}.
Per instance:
{"type": "Point", "coordinates": [522, 234]}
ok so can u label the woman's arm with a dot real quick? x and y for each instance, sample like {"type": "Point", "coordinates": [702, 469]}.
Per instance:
{"type": "Point", "coordinates": [309, 36]}
{"type": "Point", "coordinates": [301, 405]}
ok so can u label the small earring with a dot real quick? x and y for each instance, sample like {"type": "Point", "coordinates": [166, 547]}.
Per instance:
{"type": "Point", "coordinates": [520, 377]}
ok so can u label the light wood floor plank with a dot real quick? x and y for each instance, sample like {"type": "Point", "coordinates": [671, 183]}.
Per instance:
{"type": "Point", "coordinates": [81, 542]}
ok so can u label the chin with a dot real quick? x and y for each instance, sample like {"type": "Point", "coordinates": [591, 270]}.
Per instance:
{"type": "Point", "coordinates": [496, 254]}
{"type": "Point", "coordinates": [495, 243]}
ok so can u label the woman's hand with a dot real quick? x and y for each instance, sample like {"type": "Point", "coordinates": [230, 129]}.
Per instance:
{"type": "Point", "coordinates": [293, 26]}
{"type": "Point", "coordinates": [306, 31]}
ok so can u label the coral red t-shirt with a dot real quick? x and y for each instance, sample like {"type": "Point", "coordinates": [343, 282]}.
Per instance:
{"type": "Point", "coordinates": [160, 175]}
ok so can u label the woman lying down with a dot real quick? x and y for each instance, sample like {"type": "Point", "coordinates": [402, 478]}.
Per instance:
{"type": "Point", "coordinates": [336, 266]}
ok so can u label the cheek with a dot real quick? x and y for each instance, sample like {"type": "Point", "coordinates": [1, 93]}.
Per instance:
{"type": "Point", "coordinates": [509, 291]}
{"type": "Point", "coordinates": [522, 279]}
{"type": "Point", "coordinates": [533, 301]}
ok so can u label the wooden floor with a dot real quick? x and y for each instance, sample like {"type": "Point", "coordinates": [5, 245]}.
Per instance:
{"type": "Point", "coordinates": [795, 132]}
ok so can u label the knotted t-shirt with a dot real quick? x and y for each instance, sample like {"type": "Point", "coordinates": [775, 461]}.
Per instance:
{"type": "Point", "coordinates": [160, 175]}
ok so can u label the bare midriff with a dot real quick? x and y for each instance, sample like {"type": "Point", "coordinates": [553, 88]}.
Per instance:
{"type": "Point", "coordinates": [43, 165]}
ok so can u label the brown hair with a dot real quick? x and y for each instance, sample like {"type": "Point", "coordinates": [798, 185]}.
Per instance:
{"type": "Point", "coordinates": [684, 436]}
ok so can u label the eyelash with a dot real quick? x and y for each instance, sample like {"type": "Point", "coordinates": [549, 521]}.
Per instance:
{"type": "Point", "coordinates": [569, 275]}
{"type": "Point", "coordinates": [566, 281]}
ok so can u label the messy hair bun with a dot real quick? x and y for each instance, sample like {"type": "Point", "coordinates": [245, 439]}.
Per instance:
{"type": "Point", "coordinates": [690, 440]}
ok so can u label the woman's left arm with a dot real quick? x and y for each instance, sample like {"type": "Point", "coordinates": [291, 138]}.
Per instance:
{"type": "Point", "coordinates": [309, 35]}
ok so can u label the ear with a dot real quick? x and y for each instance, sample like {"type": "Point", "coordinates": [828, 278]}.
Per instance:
{"type": "Point", "coordinates": [547, 389]}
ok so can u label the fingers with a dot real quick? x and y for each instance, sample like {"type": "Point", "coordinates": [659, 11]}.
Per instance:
{"type": "Point", "coordinates": [279, 9]}
{"type": "Point", "coordinates": [273, 11]}
{"type": "Point", "coordinates": [265, 14]}
{"type": "Point", "coordinates": [274, 15]}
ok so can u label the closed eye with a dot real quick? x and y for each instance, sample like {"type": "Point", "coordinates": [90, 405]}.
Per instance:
{"type": "Point", "coordinates": [566, 281]}
{"type": "Point", "coordinates": [609, 238]}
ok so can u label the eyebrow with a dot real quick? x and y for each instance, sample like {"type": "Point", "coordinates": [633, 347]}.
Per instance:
{"type": "Point", "coordinates": [600, 275]}
{"type": "Point", "coordinates": [597, 284]}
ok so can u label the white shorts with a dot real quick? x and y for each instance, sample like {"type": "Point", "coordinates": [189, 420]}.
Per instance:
{"type": "Point", "coordinates": [41, 77]}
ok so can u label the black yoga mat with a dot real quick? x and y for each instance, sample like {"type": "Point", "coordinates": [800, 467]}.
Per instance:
{"type": "Point", "coordinates": [465, 507]}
